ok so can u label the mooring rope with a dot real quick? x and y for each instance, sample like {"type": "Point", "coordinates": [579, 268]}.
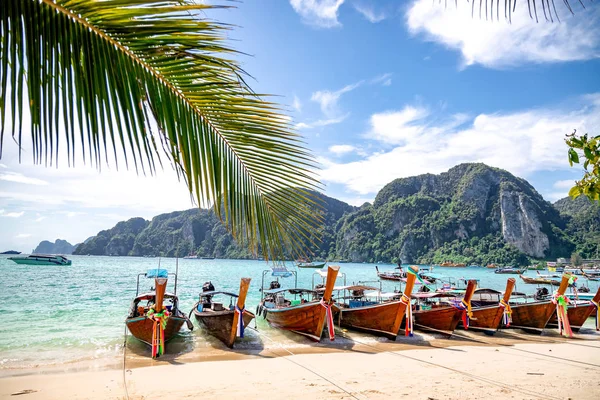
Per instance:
{"type": "Point", "coordinates": [313, 371]}
{"type": "Point", "coordinates": [486, 380]}
{"type": "Point", "coordinates": [124, 358]}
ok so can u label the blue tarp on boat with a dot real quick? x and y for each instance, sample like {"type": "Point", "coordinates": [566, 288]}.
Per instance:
{"type": "Point", "coordinates": [157, 273]}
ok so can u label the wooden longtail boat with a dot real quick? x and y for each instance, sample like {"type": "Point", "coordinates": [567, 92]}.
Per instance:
{"type": "Point", "coordinates": [510, 270]}
{"type": "Point", "coordinates": [533, 317]}
{"type": "Point", "coordinates": [487, 318]}
{"type": "Point", "coordinates": [539, 281]}
{"type": "Point", "coordinates": [223, 322]}
{"type": "Point", "coordinates": [300, 316]}
{"type": "Point", "coordinates": [578, 312]}
{"type": "Point", "coordinates": [381, 318]}
{"type": "Point", "coordinates": [155, 322]}
{"type": "Point", "coordinates": [311, 264]}
{"type": "Point", "coordinates": [441, 318]}
{"type": "Point", "coordinates": [390, 276]}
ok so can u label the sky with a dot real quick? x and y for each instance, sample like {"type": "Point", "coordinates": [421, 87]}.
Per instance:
{"type": "Point", "coordinates": [379, 89]}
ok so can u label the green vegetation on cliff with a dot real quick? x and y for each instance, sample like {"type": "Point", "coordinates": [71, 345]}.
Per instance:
{"type": "Point", "coordinates": [472, 214]}
{"type": "Point", "coordinates": [583, 224]}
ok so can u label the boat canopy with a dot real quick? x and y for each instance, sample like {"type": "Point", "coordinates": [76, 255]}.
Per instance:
{"type": "Point", "coordinates": [292, 291]}
{"type": "Point", "coordinates": [280, 270]}
{"type": "Point", "coordinates": [431, 295]}
{"type": "Point", "coordinates": [152, 295]}
{"type": "Point", "coordinates": [214, 293]}
{"type": "Point", "coordinates": [383, 295]}
{"type": "Point", "coordinates": [157, 273]}
{"type": "Point", "coordinates": [349, 287]}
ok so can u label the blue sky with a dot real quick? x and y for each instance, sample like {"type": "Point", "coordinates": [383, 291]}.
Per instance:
{"type": "Point", "coordinates": [380, 90]}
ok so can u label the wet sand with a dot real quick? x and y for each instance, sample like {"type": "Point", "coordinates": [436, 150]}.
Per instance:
{"type": "Point", "coordinates": [469, 366]}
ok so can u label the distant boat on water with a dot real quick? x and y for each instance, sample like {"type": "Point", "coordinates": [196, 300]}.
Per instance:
{"type": "Point", "coordinates": [11, 252]}
{"type": "Point", "coordinates": [41, 259]}
{"type": "Point", "coordinates": [305, 264]}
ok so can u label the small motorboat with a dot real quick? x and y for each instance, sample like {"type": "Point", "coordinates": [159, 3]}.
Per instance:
{"type": "Point", "coordinates": [41, 259]}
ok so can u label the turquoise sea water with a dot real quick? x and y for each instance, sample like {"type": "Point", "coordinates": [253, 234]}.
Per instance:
{"type": "Point", "coordinates": [57, 314]}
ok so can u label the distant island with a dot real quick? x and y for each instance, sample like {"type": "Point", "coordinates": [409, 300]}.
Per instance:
{"type": "Point", "coordinates": [11, 252]}
{"type": "Point", "coordinates": [472, 214]}
{"type": "Point", "coordinates": [58, 247]}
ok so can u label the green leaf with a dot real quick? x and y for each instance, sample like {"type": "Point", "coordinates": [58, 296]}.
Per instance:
{"type": "Point", "coordinates": [573, 157]}
{"type": "Point", "coordinates": [117, 69]}
{"type": "Point", "coordinates": [574, 192]}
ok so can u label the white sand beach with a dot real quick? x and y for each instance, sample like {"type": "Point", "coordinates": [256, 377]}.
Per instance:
{"type": "Point", "coordinates": [552, 368]}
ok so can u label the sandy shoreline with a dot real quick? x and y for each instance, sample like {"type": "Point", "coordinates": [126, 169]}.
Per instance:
{"type": "Point", "coordinates": [506, 366]}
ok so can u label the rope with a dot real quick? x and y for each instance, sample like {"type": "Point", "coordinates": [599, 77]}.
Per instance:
{"type": "Point", "coordinates": [124, 358]}
{"type": "Point", "coordinates": [472, 376]}
{"type": "Point", "coordinates": [510, 347]}
{"type": "Point", "coordinates": [313, 371]}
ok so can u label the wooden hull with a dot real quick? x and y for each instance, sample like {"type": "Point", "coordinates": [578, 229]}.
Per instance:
{"type": "Point", "coordinates": [379, 319]}
{"type": "Point", "coordinates": [486, 319]}
{"type": "Point", "coordinates": [142, 327]}
{"type": "Point", "coordinates": [306, 319]}
{"type": "Point", "coordinates": [577, 316]}
{"type": "Point", "coordinates": [532, 317]}
{"type": "Point", "coordinates": [220, 324]}
{"type": "Point", "coordinates": [441, 320]}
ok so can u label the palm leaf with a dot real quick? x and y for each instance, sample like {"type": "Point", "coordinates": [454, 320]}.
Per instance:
{"type": "Point", "coordinates": [134, 79]}
{"type": "Point", "coordinates": [489, 10]}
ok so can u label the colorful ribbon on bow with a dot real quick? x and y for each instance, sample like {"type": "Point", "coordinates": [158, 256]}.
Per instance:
{"type": "Point", "coordinates": [423, 281]}
{"type": "Point", "coordinates": [158, 331]}
{"type": "Point", "coordinates": [329, 316]}
{"type": "Point", "coordinates": [467, 313]}
{"type": "Point", "coordinates": [240, 324]}
{"type": "Point", "coordinates": [597, 304]}
{"type": "Point", "coordinates": [506, 314]}
{"type": "Point", "coordinates": [408, 326]}
{"type": "Point", "coordinates": [562, 305]}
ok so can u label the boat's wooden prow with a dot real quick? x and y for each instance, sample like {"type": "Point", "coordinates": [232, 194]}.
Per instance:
{"type": "Point", "coordinates": [237, 328]}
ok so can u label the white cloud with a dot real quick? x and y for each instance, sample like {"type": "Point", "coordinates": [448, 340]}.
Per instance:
{"type": "Point", "coordinates": [340, 149]}
{"type": "Point", "coordinates": [12, 214]}
{"type": "Point", "coordinates": [520, 142]}
{"type": "Point", "coordinates": [40, 219]}
{"type": "Point", "coordinates": [565, 184]}
{"type": "Point", "coordinates": [320, 13]}
{"type": "Point", "coordinates": [3, 166]}
{"type": "Point", "coordinates": [369, 13]}
{"type": "Point", "coordinates": [321, 122]}
{"type": "Point", "coordinates": [328, 100]}
{"type": "Point", "coordinates": [297, 104]}
{"type": "Point", "coordinates": [501, 44]}
{"type": "Point", "coordinates": [384, 79]}
{"type": "Point", "coordinates": [20, 178]}
{"type": "Point", "coordinates": [23, 235]}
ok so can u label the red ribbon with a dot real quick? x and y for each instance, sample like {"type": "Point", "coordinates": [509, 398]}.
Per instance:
{"type": "Point", "coordinates": [329, 316]}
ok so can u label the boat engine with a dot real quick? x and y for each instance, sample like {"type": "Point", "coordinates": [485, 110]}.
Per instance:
{"type": "Point", "coordinates": [358, 293]}
{"type": "Point", "coordinates": [541, 293]}
{"type": "Point", "coordinates": [274, 285]}
{"type": "Point", "coordinates": [207, 287]}
{"type": "Point", "coordinates": [583, 289]}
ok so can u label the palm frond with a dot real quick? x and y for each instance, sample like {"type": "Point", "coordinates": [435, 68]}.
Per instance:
{"type": "Point", "coordinates": [129, 77]}
{"type": "Point", "coordinates": [486, 9]}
